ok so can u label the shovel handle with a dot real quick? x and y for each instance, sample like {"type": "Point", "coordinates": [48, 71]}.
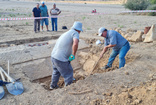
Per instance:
{"type": "Point", "coordinates": [11, 79]}
{"type": "Point", "coordinates": [2, 76]}
{"type": "Point", "coordinates": [95, 65]}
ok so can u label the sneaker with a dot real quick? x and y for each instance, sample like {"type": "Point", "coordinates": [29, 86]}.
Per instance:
{"type": "Point", "coordinates": [51, 87]}
{"type": "Point", "coordinates": [105, 67]}
{"type": "Point", "coordinates": [42, 30]}
{"type": "Point", "coordinates": [47, 30]}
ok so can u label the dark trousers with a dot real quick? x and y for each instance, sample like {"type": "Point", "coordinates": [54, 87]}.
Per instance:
{"type": "Point", "coordinates": [63, 69]}
{"type": "Point", "coordinates": [37, 25]}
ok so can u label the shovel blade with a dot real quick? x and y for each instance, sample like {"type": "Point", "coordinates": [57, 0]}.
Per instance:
{"type": "Point", "coordinates": [15, 88]}
{"type": "Point", "coordinates": [1, 92]}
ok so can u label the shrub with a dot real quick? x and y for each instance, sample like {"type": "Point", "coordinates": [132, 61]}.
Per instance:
{"type": "Point", "coordinates": [137, 4]}
{"type": "Point", "coordinates": [153, 1]}
{"type": "Point", "coordinates": [152, 7]}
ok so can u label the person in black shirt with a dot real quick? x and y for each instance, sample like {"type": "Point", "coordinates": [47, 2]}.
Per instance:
{"type": "Point", "coordinates": [36, 13]}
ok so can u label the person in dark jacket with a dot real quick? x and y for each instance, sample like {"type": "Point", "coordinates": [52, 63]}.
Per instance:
{"type": "Point", "coordinates": [36, 13]}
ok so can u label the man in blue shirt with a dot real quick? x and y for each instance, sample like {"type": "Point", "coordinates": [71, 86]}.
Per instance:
{"type": "Point", "coordinates": [36, 13]}
{"type": "Point", "coordinates": [44, 13]}
{"type": "Point", "coordinates": [119, 44]}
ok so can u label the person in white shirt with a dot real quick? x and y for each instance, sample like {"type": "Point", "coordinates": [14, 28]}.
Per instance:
{"type": "Point", "coordinates": [54, 13]}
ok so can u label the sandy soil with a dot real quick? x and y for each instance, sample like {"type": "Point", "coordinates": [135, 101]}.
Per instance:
{"type": "Point", "coordinates": [134, 84]}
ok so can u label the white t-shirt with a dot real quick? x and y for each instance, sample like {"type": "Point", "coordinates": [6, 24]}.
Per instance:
{"type": "Point", "coordinates": [63, 47]}
{"type": "Point", "coordinates": [55, 11]}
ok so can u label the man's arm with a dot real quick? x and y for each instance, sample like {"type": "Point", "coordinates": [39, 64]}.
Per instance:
{"type": "Point", "coordinates": [47, 12]}
{"type": "Point", "coordinates": [75, 46]}
{"type": "Point", "coordinates": [33, 14]}
{"type": "Point", "coordinates": [59, 12]}
{"type": "Point", "coordinates": [105, 50]}
{"type": "Point", "coordinates": [50, 11]}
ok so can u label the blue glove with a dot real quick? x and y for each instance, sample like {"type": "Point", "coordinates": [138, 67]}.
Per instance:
{"type": "Point", "coordinates": [71, 57]}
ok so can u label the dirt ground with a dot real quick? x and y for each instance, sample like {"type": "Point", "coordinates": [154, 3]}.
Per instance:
{"type": "Point", "coordinates": [132, 85]}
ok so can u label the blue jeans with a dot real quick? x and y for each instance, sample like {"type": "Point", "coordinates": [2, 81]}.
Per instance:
{"type": "Point", "coordinates": [122, 53]}
{"type": "Point", "coordinates": [63, 69]}
{"type": "Point", "coordinates": [44, 20]}
{"type": "Point", "coordinates": [54, 21]}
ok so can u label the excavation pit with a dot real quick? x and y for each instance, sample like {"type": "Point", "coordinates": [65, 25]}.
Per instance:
{"type": "Point", "coordinates": [84, 63]}
{"type": "Point", "coordinates": [45, 82]}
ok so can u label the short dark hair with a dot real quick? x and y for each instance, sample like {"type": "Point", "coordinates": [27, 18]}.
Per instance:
{"type": "Point", "coordinates": [105, 30]}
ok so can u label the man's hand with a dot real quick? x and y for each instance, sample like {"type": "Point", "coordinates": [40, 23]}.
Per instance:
{"type": "Point", "coordinates": [103, 51]}
{"type": "Point", "coordinates": [71, 57]}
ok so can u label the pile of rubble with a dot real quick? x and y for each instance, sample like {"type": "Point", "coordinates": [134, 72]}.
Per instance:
{"type": "Point", "coordinates": [139, 36]}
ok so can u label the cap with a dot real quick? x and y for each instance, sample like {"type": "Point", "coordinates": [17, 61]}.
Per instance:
{"type": "Point", "coordinates": [42, 2]}
{"type": "Point", "coordinates": [100, 31]}
{"type": "Point", "coordinates": [77, 26]}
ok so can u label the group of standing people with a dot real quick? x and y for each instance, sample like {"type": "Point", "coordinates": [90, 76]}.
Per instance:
{"type": "Point", "coordinates": [42, 11]}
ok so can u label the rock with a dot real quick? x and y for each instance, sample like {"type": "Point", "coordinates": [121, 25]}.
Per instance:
{"type": "Point", "coordinates": [122, 86]}
{"type": "Point", "coordinates": [137, 101]}
{"type": "Point", "coordinates": [108, 94]}
{"type": "Point", "coordinates": [88, 98]}
{"type": "Point", "coordinates": [146, 30]}
{"type": "Point", "coordinates": [107, 100]}
{"type": "Point", "coordinates": [130, 96]}
{"type": "Point", "coordinates": [151, 35]}
{"type": "Point", "coordinates": [136, 37]}
{"type": "Point", "coordinates": [143, 37]}
{"type": "Point", "coordinates": [118, 30]}
{"type": "Point", "coordinates": [4, 45]}
{"type": "Point", "coordinates": [131, 30]}
{"type": "Point", "coordinates": [128, 35]}
{"type": "Point", "coordinates": [11, 45]}
{"type": "Point", "coordinates": [17, 29]}
{"type": "Point", "coordinates": [123, 33]}
{"type": "Point", "coordinates": [151, 75]}
{"type": "Point", "coordinates": [127, 73]}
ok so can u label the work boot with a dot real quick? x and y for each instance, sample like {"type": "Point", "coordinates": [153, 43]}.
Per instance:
{"type": "Point", "coordinates": [105, 67]}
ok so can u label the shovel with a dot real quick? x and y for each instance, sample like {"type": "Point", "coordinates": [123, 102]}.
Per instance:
{"type": "Point", "coordinates": [95, 65]}
{"type": "Point", "coordinates": [14, 88]}
{"type": "Point", "coordinates": [2, 92]}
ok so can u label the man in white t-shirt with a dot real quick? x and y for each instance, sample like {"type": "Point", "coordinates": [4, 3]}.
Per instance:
{"type": "Point", "coordinates": [54, 13]}
{"type": "Point", "coordinates": [63, 52]}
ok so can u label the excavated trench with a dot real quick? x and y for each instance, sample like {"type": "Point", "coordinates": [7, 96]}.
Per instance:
{"type": "Point", "coordinates": [26, 41]}
{"type": "Point", "coordinates": [85, 61]}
